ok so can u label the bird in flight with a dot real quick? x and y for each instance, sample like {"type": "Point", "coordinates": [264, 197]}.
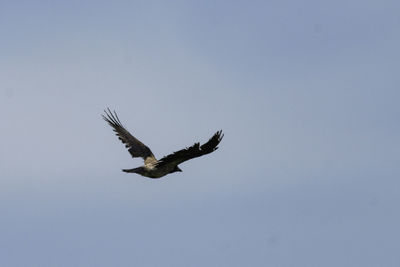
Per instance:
{"type": "Point", "coordinates": [152, 167]}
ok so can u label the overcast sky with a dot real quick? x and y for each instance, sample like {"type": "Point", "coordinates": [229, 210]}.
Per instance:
{"type": "Point", "coordinates": [306, 92]}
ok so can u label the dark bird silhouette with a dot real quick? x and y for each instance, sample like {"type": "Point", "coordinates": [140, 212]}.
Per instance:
{"type": "Point", "coordinates": [152, 167]}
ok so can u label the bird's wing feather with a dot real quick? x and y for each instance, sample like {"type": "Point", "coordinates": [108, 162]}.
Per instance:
{"type": "Point", "coordinates": [192, 152]}
{"type": "Point", "coordinates": [135, 147]}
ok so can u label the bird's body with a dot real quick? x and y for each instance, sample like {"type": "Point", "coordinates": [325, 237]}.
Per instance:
{"type": "Point", "coordinates": [152, 167]}
{"type": "Point", "coordinates": [153, 171]}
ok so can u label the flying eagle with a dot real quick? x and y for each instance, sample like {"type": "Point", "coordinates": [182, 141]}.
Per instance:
{"type": "Point", "coordinates": [152, 167]}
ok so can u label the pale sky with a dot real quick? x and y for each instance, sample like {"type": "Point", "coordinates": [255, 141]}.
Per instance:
{"type": "Point", "coordinates": [306, 92]}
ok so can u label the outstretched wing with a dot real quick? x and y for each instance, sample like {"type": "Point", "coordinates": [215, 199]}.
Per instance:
{"type": "Point", "coordinates": [192, 152]}
{"type": "Point", "coordinates": [135, 147]}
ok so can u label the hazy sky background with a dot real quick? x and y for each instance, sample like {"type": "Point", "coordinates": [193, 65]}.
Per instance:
{"type": "Point", "coordinates": [307, 93]}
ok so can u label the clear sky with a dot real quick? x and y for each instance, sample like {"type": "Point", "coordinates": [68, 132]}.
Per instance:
{"type": "Point", "coordinates": [307, 93]}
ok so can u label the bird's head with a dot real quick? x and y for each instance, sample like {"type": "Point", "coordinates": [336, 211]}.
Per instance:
{"type": "Point", "coordinates": [176, 169]}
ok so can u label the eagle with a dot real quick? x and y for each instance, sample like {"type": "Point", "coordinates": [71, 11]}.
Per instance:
{"type": "Point", "coordinates": [152, 167]}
